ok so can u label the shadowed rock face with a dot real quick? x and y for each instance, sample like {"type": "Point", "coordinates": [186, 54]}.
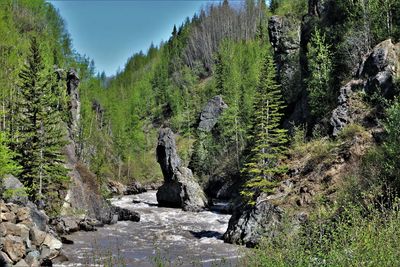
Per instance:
{"type": "Point", "coordinates": [380, 68]}
{"type": "Point", "coordinates": [211, 112]}
{"type": "Point", "coordinates": [167, 156]}
{"type": "Point", "coordinates": [180, 189]}
{"type": "Point", "coordinates": [249, 223]}
{"type": "Point", "coordinates": [285, 36]}
{"type": "Point", "coordinates": [75, 104]}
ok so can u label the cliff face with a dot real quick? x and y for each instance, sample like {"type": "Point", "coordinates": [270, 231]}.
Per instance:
{"type": "Point", "coordinates": [83, 194]}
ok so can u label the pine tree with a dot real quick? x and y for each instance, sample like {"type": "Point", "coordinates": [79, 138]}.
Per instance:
{"type": "Point", "coordinates": [268, 139]}
{"type": "Point", "coordinates": [320, 81]}
{"type": "Point", "coordinates": [40, 135]}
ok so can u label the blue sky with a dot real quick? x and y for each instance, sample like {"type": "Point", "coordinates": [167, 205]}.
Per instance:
{"type": "Point", "coordinates": [111, 31]}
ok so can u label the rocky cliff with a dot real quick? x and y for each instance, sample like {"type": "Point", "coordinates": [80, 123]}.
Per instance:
{"type": "Point", "coordinates": [83, 194]}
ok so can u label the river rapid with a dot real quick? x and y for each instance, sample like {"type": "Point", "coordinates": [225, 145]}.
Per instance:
{"type": "Point", "coordinates": [171, 236]}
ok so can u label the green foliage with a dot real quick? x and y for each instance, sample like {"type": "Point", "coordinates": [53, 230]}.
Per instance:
{"type": "Point", "coordinates": [289, 7]}
{"type": "Point", "coordinates": [391, 146]}
{"type": "Point", "coordinates": [320, 66]}
{"type": "Point", "coordinates": [7, 163]}
{"type": "Point", "coordinates": [268, 140]}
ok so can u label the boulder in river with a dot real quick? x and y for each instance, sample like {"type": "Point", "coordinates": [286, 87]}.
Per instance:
{"type": "Point", "coordinates": [126, 214]}
{"type": "Point", "coordinates": [180, 188]}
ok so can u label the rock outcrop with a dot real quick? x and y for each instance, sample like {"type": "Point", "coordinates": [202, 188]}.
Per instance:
{"type": "Point", "coordinates": [376, 75]}
{"type": "Point", "coordinates": [23, 239]}
{"type": "Point", "coordinates": [380, 69]}
{"type": "Point", "coordinates": [341, 116]}
{"type": "Point", "coordinates": [84, 193]}
{"type": "Point", "coordinates": [285, 37]}
{"type": "Point", "coordinates": [180, 189]}
{"type": "Point", "coordinates": [210, 113]}
{"type": "Point", "coordinates": [250, 223]}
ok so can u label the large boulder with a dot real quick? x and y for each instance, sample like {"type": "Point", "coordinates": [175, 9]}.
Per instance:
{"type": "Point", "coordinates": [116, 187]}
{"type": "Point", "coordinates": [180, 188]}
{"type": "Point", "coordinates": [182, 191]}
{"type": "Point", "coordinates": [250, 223]}
{"type": "Point", "coordinates": [210, 113]}
{"type": "Point", "coordinates": [13, 190]}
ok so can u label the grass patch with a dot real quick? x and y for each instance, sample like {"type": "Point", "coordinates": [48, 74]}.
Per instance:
{"type": "Point", "coordinates": [352, 131]}
{"type": "Point", "coordinates": [315, 151]}
{"type": "Point", "coordinates": [351, 238]}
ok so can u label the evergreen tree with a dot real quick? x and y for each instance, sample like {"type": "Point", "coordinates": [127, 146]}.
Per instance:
{"type": "Point", "coordinates": [40, 135]}
{"type": "Point", "coordinates": [320, 81]}
{"type": "Point", "coordinates": [268, 139]}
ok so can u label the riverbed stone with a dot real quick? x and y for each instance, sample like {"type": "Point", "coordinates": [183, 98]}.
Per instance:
{"type": "Point", "coordinates": [52, 242]}
{"type": "Point", "coordinates": [135, 188]}
{"type": "Point", "coordinates": [32, 259]}
{"type": "Point", "coordinates": [126, 214]}
{"type": "Point", "coordinates": [14, 247]}
{"type": "Point", "coordinates": [4, 259]}
{"type": "Point", "coordinates": [21, 263]}
{"type": "Point", "coordinates": [37, 236]}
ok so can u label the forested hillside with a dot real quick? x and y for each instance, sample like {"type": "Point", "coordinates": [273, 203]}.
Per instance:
{"type": "Point", "coordinates": [220, 51]}
{"type": "Point", "coordinates": [287, 109]}
{"type": "Point", "coordinates": [36, 52]}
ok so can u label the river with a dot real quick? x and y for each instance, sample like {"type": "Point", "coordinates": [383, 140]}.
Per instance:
{"type": "Point", "coordinates": [171, 236]}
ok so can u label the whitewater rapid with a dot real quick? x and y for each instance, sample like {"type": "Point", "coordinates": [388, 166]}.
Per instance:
{"type": "Point", "coordinates": [171, 236]}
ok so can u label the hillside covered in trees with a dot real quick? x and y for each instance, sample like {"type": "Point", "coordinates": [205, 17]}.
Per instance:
{"type": "Point", "coordinates": [287, 109]}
